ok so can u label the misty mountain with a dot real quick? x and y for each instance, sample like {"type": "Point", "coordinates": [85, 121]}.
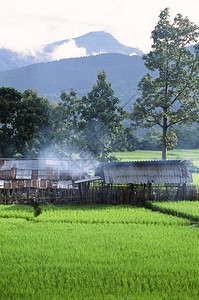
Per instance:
{"type": "Point", "coordinates": [88, 44]}
{"type": "Point", "coordinates": [101, 41]}
{"type": "Point", "coordinates": [123, 72]}
{"type": "Point", "coordinates": [11, 60]}
{"type": "Point", "coordinates": [96, 42]}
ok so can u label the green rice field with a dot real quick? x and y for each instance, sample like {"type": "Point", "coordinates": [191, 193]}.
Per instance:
{"type": "Point", "coordinates": [185, 209]}
{"type": "Point", "coordinates": [97, 252]}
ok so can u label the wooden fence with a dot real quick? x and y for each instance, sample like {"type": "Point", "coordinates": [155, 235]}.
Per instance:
{"type": "Point", "coordinates": [138, 194]}
{"type": "Point", "coordinates": [99, 193]}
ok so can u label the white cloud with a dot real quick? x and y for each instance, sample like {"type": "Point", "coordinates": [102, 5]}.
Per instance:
{"type": "Point", "coordinates": [27, 23]}
{"type": "Point", "coordinates": [35, 51]}
{"type": "Point", "coordinates": [97, 53]}
{"type": "Point", "coordinates": [67, 50]}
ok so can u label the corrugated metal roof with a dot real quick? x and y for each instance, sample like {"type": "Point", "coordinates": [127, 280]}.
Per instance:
{"type": "Point", "coordinates": [174, 171]}
{"type": "Point", "coordinates": [88, 179]}
{"type": "Point", "coordinates": [44, 168]}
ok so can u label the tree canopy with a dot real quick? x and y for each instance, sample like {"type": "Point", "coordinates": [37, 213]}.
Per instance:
{"type": "Point", "coordinates": [21, 118]}
{"type": "Point", "coordinates": [100, 118]}
{"type": "Point", "coordinates": [10, 103]}
{"type": "Point", "coordinates": [170, 94]}
{"type": "Point", "coordinates": [65, 118]}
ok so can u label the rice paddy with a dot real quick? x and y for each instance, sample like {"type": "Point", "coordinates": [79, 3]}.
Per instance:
{"type": "Point", "coordinates": [97, 252]}
{"type": "Point", "coordinates": [185, 209]}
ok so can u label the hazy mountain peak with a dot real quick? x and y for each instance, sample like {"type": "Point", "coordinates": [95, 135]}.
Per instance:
{"type": "Point", "coordinates": [104, 42]}
{"type": "Point", "coordinates": [91, 43]}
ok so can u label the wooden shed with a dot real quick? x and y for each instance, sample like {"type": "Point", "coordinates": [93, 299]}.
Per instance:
{"type": "Point", "coordinates": [138, 181]}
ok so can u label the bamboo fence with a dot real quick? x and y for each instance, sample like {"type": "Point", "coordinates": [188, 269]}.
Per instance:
{"type": "Point", "coordinates": [100, 193]}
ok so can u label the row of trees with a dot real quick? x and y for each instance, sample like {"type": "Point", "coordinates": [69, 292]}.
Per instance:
{"type": "Point", "coordinates": [94, 125]}
{"type": "Point", "coordinates": [32, 126]}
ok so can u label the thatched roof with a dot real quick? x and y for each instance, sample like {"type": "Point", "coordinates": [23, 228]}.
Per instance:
{"type": "Point", "coordinates": [171, 171]}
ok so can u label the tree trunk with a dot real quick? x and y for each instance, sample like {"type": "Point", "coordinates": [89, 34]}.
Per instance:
{"type": "Point", "coordinates": [164, 139]}
{"type": "Point", "coordinates": [165, 127]}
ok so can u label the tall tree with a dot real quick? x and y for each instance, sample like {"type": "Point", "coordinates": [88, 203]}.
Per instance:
{"type": "Point", "coordinates": [100, 118]}
{"type": "Point", "coordinates": [171, 97]}
{"type": "Point", "coordinates": [10, 103]}
{"type": "Point", "coordinates": [22, 117]}
{"type": "Point", "coordinates": [65, 123]}
{"type": "Point", "coordinates": [33, 124]}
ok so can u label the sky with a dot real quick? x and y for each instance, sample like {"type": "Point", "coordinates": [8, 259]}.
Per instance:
{"type": "Point", "coordinates": [28, 24]}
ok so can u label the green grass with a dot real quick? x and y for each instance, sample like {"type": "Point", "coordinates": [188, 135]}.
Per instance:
{"type": "Point", "coordinates": [97, 252]}
{"type": "Point", "coordinates": [185, 209]}
{"type": "Point", "coordinates": [156, 155]}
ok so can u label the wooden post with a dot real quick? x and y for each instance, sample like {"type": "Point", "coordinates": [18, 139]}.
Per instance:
{"type": "Point", "coordinates": [149, 192]}
{"type": "Point", "coordinates": [184, 191]}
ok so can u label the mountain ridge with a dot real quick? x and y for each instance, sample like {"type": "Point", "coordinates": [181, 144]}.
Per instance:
{"type": "Point", "coordinates": [123, 72]}
{"type": "Point", "coordinates": [89, 44]}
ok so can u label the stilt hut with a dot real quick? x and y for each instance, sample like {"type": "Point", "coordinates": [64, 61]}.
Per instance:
{"type": "Point", "coordinates": [41, 178]}
{"type": "Point", "coordinates": [139, 181]}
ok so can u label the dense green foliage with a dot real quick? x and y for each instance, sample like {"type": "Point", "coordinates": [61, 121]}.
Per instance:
{"type": "Point", "coordinates": [22, 117]}
{"type": "Point", "coordinates": [10, 103]}
{"type": "Point", "coordinates": [31, 126]}
{"type": "Point", "coordinates": [95, 252]}
{"type": "Point", "coordinates": [171, 97]}
{"type": "Point", "coordinates": [65, 117]}
{"type": "Point", "coordinates": [91, 126]}
{"type": "Point", "coordinates": [188, 138]}
{"type": "Point", "coordinates": [101, 119]}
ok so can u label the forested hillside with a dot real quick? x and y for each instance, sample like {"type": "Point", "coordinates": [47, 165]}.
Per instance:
{"type": "Point", "coordinates": [124, 73]}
